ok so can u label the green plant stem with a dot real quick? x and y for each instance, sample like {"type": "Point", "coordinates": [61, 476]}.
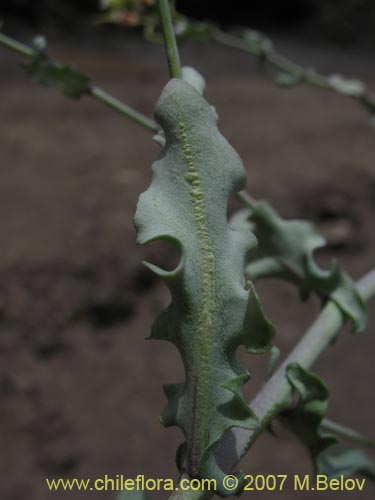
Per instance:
{"type": "Point", "coordinates": [246, 199]}
{"type": "Point", "coordinates": [94, 91]}
{"type": "Point", "coordinates": [347, 433]}
{"type": "Point", "coordinates": [124, 109]}
{"type": "Point", "coordinates": [275, 395]}
{"type": "Point", "coordinates": [267, 267]}
{"type": "Point", "coordinates": [284, 65]}
{"type": "Point", "coordinates": [169, 39]}
{"type": "Point", "coordinates": [16, 46]}
{"type": "Point", "coordinates": [114, 103]}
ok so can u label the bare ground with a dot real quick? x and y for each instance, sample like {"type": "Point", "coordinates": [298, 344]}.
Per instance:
{"type": "Point", "coordinates": [80, 389]}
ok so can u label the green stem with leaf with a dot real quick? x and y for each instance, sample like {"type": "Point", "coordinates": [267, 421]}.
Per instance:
{"type": "Point", "coordinates": [347, 433]}
{"type": "Point", "coordinates": [296, 72]}
{"type": "Point", "coordinates": [111, 101]}
{"type": "Point", "coordinates": [169, 39]}
{"type": "Point", "coordinates": [16, 46]}
{"type": "Point", "coordinates": [124, 109]}
{"type": "Point", "coordinates": [275, 395]}
{"type": "Point", "coordinates": [93, 91]}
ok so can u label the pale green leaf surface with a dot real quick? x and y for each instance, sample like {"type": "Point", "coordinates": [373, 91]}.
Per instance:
{"type": "Point", "coordinates": [329, 456]}
{"type": "Point", "coordinates": [212, 310]}
{"type": "Point", "coordinates": [304, 420]}
{"type": "Point", "coordinates": [196, 80]}
{"type": "Point", "coordinates": [286, 251]}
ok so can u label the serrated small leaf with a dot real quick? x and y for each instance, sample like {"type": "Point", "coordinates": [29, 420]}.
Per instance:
{"type": "Point", "coordinates": [304, 420]}
{"type": "Point", "coordinates": [72, 83]}
{"type": "Point", "coordinates": [286, 251]}
{"type": "Point", "coordinates": [330, 457]}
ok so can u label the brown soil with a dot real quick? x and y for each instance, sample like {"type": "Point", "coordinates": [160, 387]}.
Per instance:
{"type": "Point", "coordinates": [80, 389]}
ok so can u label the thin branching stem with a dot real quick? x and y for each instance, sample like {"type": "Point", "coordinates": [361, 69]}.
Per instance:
{"type": "Point", "coordinates": [246, 199]}
{"type": "Point", "coordinates": [93, 91]}
{"type": "Point", "coordinates": [124, 109]}
{"type": "Point", "coordinates": [16, 46]}
{"type": "Point", "coordinates": [169, 39]}
{"type": "Point", "coordinates": [347, 433]}
{"type": "Point", "coordinates": [288, 67]}
{"type": "Point", "coordinates": [112, 102]}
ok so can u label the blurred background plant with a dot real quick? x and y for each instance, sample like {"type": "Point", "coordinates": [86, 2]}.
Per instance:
{"type": "Point", "coordinates": [346, 22]}
{"type": "Point", "coordinates": [143, 14]}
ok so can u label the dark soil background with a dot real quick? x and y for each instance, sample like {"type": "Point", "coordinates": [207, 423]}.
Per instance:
{"type": "Point", "coordinates": [80, 388]}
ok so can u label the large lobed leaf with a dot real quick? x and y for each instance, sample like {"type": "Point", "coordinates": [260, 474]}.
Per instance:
{"type": "Point", "coordinates": [212, 310]}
